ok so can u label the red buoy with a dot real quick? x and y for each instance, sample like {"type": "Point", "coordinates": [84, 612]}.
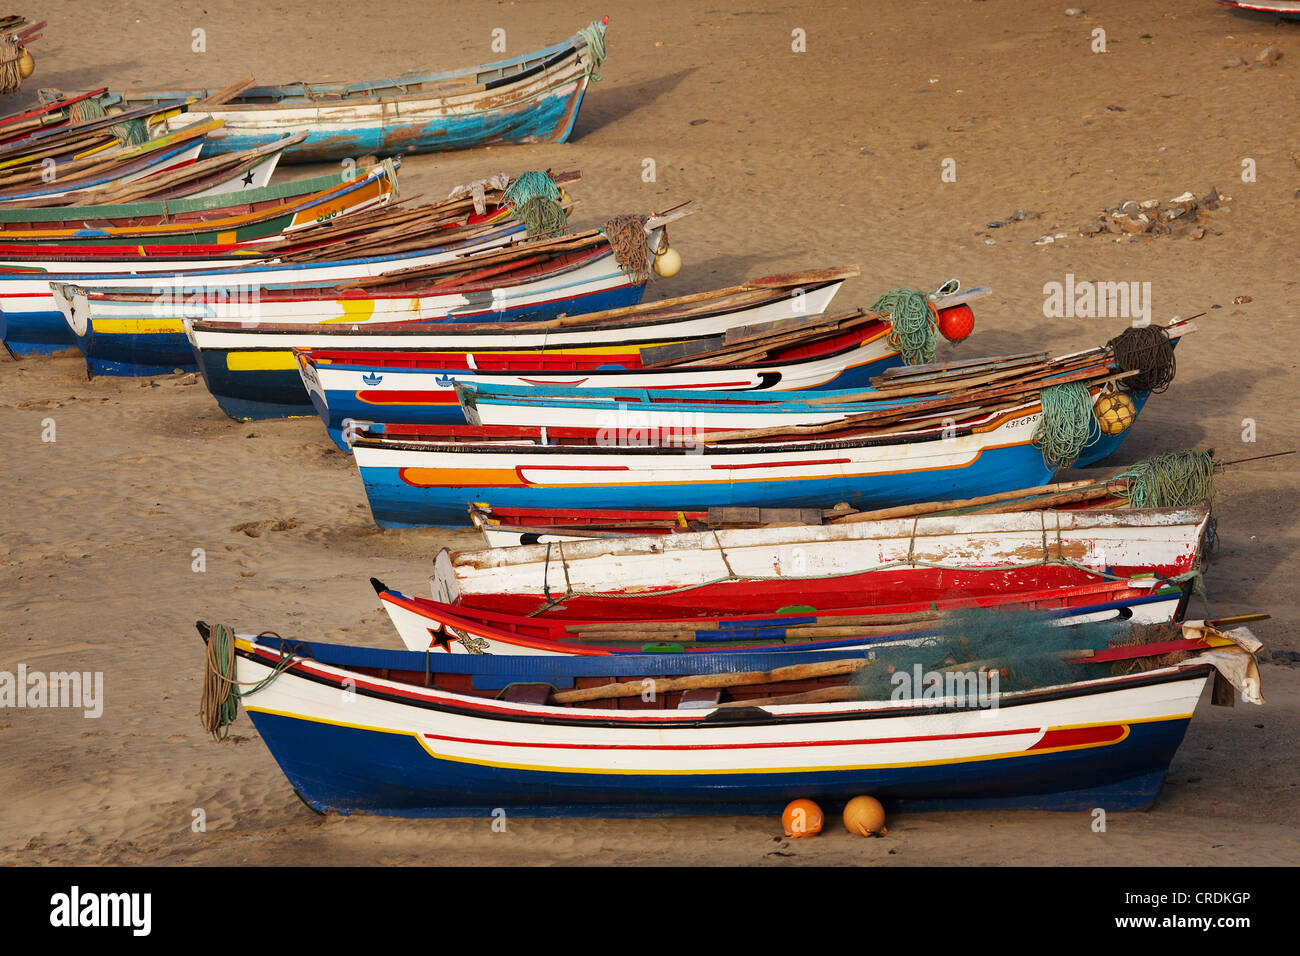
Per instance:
{"type": "Point", "coordinates": [956, 322]}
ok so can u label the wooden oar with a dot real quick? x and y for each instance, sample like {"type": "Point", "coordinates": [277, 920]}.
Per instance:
{"type": "Point", "coordinates": [929, 507]}
{"type": "Point", "coordinates": [798, 632]}
{"type": "Point", "coordinates": [223, 96]}
{"type": "Point", "coordinates": [705, 681]}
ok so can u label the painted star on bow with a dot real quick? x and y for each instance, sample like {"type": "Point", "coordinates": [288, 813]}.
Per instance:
{"type": "Point", "coordinates": [440, 638]}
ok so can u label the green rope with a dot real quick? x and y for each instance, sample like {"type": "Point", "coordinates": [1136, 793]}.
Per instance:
{"type": "Point", "coordinates": [595, 38]}
{"type": "Point", "coordinates": [1174, 480]}
{"type": "Point", "coordinates": [1063, 429]}
{"type": "Point", "coordinates": [86, 110]}
{"type": "Point", "coordinates": [131, 133]}
{"type": "Point", "coordinates": [913, 324]}
{"type": "Point", "coordinates": [219, 705]}
{"type": "Point", "coordinates": [542, 218]}
{"type": "Point", "coordinates": [529, 185]}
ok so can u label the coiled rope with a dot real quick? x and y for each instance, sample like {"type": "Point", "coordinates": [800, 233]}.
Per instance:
{"type": "Point", "coordinates": [534, 199]}
{"type": "Point", "coordinates": [86, 110]}
{"type": "Point", "coordinates": [631, 245]}
{"type": "Point", "coordinates": [128, 133]}
{"type": "Point", "coordinates": [914, 325]}
{"type": "Point", "coordinates": [542, 218]}
{"type": "Point", "coordinates": [1174, 480]}
{"type": "Point", "coordinates": [595, 55]}
{"type": "Point", "coordinates": [1148, 349]}
{"type": "Point", "coordinates": [219, 703]}
{"type": "Point", "coordinates": [11, 77]}
{"type": "Point", "coordinates": [1065, 427]}
{"type": "Point", "coordinates": [131, 133]}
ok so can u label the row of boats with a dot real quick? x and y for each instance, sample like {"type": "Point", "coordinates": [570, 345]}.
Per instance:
{"type": "Point", "coordinates": [741, 546]}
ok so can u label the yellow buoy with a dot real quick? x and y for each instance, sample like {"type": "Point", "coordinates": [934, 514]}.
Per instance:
{"type": "Point", "coordinates": [26, 63]}
{"type": "Point", "coordinates": [865, 817]}
{"type": "Point", "coordinates": [668, 262]}
{"type": "Point", "coordinates": [802, 818]}
{"type": "Point", "coordinates": [1114, 412]}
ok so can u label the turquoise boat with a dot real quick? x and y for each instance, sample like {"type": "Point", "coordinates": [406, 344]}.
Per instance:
{"type": "Point", "coordinates": [533, 98]}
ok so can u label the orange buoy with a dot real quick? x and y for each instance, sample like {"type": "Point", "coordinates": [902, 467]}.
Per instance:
{"type": "Point", "coordinates": [801, 818]}
{"type": "Point", "coordinates": [865, 817]}
{"type": "Point", "coordinates": [956, 322]}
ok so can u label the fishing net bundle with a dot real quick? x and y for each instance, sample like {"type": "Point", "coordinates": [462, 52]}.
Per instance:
{"type": "Point", "coordinates": [1177, 479]}
{"type": "Point", "coordinates": [1024, 648]}
{"type": "Point", "coordinates": [534, 199]}
{"type": "Point", "coordinates": [1149, 350]}
{"type": "Point", "coordinates": [128, 132]}
{"type": "Point", "coordinates": [631, 245]}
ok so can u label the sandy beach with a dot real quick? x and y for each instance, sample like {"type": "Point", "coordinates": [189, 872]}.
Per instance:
{"type": "Point", "coordinates": [800, 160]}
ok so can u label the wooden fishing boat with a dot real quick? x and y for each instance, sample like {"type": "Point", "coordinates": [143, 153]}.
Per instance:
{"type": "Point", "coordinates": [258, 376]}
{"type": "Point", "coordinates": [151, 341]}
{"type": "Point", "coordinates": [1289, 9]}
{"type": "Point", "coordinates": [507, 527]}
{"type": "Point", "coordinates": [405, 733]}
{"type": "Point", "coordinates": [220, 225]}
{"type": "Point", "coordinates": [539, 405]}
{"type": "Point", "coordinates": [459, 629]}
{"type": "Point", "coordinates": [532, 98]}
{"type": "Point", "coordinates": [514, 280]}
{"type": "Point", "coordinates": [37, 322]}
{"type": "Point", "coordinates": [357, 243]}
{"type": "Point", "coordinates": [844, 349]}
{"type": "Point", "coordinates": [427, 475]}
{"type": "Point", "coordinates": [33, 320]}
{"type": "Point", "coordinates": [879, 561]}
{"type": "Point", "coordinates": [123, 164]}
{"type": "Point", "coordinates": [50, 114]}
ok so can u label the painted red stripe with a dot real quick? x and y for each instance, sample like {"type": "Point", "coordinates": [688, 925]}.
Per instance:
{"type": "Point", "coordinates": [1081, 736]}
{"type": "Point", "coordinates": [377, 397]}
{"type": "Point", "coordinates": [784, 464]}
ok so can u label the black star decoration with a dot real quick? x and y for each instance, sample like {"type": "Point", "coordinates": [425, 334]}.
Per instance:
{"type": "Point", "coordinates": [440, 638]}
{"type": "Point", "coordinates": [248, 178]}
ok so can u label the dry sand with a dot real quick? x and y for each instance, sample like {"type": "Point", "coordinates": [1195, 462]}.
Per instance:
{"type": "Point", "coordinates": [805, 160]}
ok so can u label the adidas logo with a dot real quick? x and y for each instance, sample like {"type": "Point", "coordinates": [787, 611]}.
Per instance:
{"type": "Point", "coordinates": [372, 378]}
{"type": "Point", "coordinates": [444, 381]}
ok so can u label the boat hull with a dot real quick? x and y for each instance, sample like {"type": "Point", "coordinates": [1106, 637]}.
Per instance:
{"type": "Point", "coordinates": [886, 562]}
{"type": "Point", "coordinates": [401, 750]}
{"type": "Point", "coordinates": [427, 395]}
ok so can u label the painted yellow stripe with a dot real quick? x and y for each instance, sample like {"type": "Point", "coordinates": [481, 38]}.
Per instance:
{"type": "Point", "coordinates": [260, 361]}
{"type": "Point", "coordinates": [354, 310]}
{"type": "Point", "coordinates": [137, 326]}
